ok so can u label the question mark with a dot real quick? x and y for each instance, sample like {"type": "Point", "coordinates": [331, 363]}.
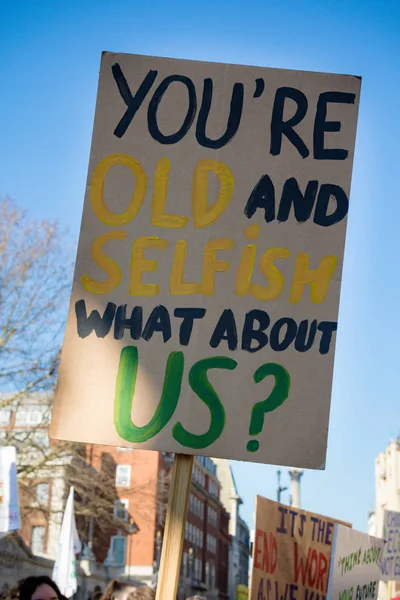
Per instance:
{"type": "Point", "coordinates": [275, 399]}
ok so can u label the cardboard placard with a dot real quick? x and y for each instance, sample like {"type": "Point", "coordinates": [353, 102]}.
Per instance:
{"type": "Point", "coordinates": [291, 552]}
{"type": "Point", "coordinates": [206, 290]}
{"type": "Point", "coordinates": [356, 565]}
{"type": "Point", "coordinates": [391, 551]}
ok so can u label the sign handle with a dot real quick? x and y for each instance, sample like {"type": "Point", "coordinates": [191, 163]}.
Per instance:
{"type": "Point", "coordinates": [174, 532]}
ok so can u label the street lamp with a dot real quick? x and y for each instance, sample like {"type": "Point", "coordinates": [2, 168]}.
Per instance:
{"type": "Point", "coordinates": [280, 488]}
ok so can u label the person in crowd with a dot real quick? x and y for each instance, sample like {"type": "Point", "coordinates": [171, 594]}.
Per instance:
{"type": "Point", "coordinates": [39, 588]}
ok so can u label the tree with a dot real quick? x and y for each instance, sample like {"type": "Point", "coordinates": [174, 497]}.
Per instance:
{"type": "Point", "coordinates": [35, 276]}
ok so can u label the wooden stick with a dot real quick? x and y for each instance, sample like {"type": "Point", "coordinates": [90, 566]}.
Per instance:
{"type": "Point", "coordinates": [174, 532]}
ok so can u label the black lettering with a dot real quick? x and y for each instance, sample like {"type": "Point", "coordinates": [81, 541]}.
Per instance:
{"type": "Point", "coordinates": [188, 315]}
{"type": "Point", "coordinates": [321, 125]}
{"type": "Point", "coordinates": [321, 216]}
{"type": "Point", "coordinates": [291, 331]}
{"type": "Point", "coordinates": [249, 333]}
{"type": "Point", "coordinates": [134, 324]}
{"type": "Point", "coordinates": [152, 123]}
{"type": "Point", "coordinates": [302, 203]}
{"type": "Point", "coordinates": [158, 321]}
{"type": "Point", "coordinates": [225, 330]}
{"type": "Point", "coordinates": [327, 328]}
{"type": "Point", "coordinates": [301, 344]}
{"type": "Point", "coordinates": [235, 115]}
{"type": "Point", "coordinates": [133, 102]}
{"type": "Point", "coordinates": [101, 325]}
{"type": "Point", "coordinates": [279, 127]}
{"type": "Point", "coordinates": [262, 196]}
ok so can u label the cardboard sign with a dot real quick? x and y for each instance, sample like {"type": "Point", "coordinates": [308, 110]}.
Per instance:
{"type": "Point", "coordinates": [291, 553]}
{"type": "Point", "coordinates": [356, 565]}
{"type": "Point", "coordinates": [206, 290]}
{"type": "Point", "coordinates": [391, 551]}
{"type": "Point", "coordinates": [9, 500]}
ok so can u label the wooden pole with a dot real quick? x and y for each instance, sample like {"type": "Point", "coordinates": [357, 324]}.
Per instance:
{"type": "Point", "coordinates": [174, 533]}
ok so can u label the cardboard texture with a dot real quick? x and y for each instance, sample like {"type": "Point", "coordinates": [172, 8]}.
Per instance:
{"type": "Point", "coordinates": [209, 264]}
{"type": "Point", "coordinates": [391, 551]}
{"type": "Point", "coordinates": [356, 565]}
{"type": "Point", "coordinates": [291, 552]}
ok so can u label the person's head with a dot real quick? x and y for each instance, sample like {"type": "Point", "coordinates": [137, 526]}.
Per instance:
{"type": "Point", "coordinates": [39, 588]}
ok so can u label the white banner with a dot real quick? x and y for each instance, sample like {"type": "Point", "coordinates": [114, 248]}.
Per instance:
{"type": "Point", "coordinates": [9, 503]}
{"type": "Point", "coordinates": [355, 566]}
{"type": "Point", "coordinates": [64, 573]}
{"type": "Point", "coordinates": [391, 552]}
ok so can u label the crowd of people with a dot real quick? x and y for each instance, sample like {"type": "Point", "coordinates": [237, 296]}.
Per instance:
{"type": "Point", "coordinates": [43, 587]}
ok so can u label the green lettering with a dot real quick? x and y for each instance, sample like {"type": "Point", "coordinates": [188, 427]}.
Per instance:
{"type": "Point", "coordinates": [125, 391]}
{"type": "Point", "coordinates": [199, 383]}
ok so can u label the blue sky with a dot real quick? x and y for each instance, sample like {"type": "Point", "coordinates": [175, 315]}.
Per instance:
{"type": "Point", "coordinates": [49, 60]}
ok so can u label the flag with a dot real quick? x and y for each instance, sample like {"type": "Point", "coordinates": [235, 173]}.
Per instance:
{"type": "Point", "coordinates": [9, 503]}
{"type": "Point", "coordinates": [64, 572]}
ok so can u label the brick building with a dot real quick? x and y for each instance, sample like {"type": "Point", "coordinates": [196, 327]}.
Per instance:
{"type": "Point", "coordinates": [25, 424]}
{"type": "Point", "coordinates": [130, 541]}
{"type": "Point", "coordinates": [141, 485]}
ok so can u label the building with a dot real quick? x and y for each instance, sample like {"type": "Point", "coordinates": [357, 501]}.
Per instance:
{"type": "Point", "coordinates": [387, 496]}
{"type": "Point", "coordinates": [120, 500]}
{"type": "Point", "coordinates": [238, 529]}
{"type": "Point", "coordinates": [142, 484]}
{"type": "Point", "coordinates": [24, 423]}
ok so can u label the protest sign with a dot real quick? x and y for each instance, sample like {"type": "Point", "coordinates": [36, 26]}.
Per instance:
{"type": "Point", "coordinates": [356, 565]}
{"type": "Point", "coordinates": [291, 553]}
{"type": "Point", "coordinates": [391, 551]}
{"type": "Point", "coordinates": [206, 289]}
{"type": "Point", "coordinates": [9, 500]}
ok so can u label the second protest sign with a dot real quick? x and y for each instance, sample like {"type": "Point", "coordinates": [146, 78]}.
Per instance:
{"type": "Point", "coordinates": [291, 553]}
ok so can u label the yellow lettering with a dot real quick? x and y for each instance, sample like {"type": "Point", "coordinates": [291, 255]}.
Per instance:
{"type": "Point", "coordinates": [179, 287]}
{"type": "Point", "coordinates": [140, 265]}
{"type": "Point", "coordinates": [319, 279]}
{"type": "Point", "coordinates": [275, 278]}
{"type": "Point", "coordinates": [246, 265]}
{"type": "Point", "coordinates": [104, 262]}
{"type": "Point", "coordinates": [203, 214]}
{"type": "Point", "coordinates": [245, 269]}
{"type": "Point", "coordinates": [211, 265]}
{"type": "Point", "coordinates": [158, 217]}
{"type": "Point", "coordinates": [97, 188]}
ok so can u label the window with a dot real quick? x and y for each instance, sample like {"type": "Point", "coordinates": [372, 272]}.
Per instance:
{"type": "Point", "coordinates": [185, 564]}
{"type": "Point", "coordinates": [207, 574]}
{"type": "Point", "coordinates": [212, 516]}
{"type": "Point", "coordinates": [211, 544]}
{"type": "Point", "coordinates": [197, 569]}
{"type": "Point", "coordinates": [118, 548]}
{"type": "Point", "coordinates": [37, 539]}
{"type": "Point", "coordinates": [5, 416]}
{"type": "Point", "coordinates": [29, 416]}
{"type": "Point", "coordinates": [123, 476]}
{"type": "Point", "coordinates": [42, 493]}
{"type": "Point", "coordinates": [213, 488]}
{"type": "Point", "coordinates": [121, 510]}
{"type": "Point", "coordinates": [212, 582]}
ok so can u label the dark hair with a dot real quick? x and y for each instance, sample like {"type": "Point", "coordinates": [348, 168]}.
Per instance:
{"type": "Point", "coordinates": [28, 586]}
